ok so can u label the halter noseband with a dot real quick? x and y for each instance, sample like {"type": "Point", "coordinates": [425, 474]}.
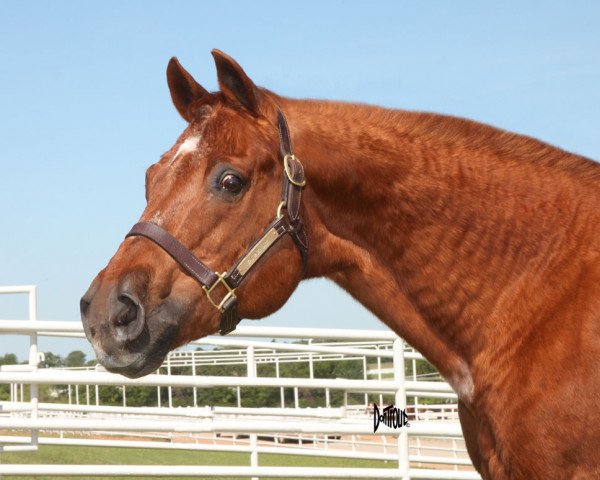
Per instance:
{"type": "Point", "coordinates": [287, 221]}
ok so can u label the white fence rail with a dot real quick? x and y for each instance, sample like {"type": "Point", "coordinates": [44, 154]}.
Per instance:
{"type": "Point", "coordinates": [431, 447]}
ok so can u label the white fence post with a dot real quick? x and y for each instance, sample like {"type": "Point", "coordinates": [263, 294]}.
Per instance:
{"type": "Point", "coordinates": [169, 388]}
{"type": "Point", "coordinates": [400, 402]}
{"type": "Point", "coordinates": [97, 388]}
{"type": "Point", "coordinates": [194, 391]}
{"type": "Point", "coordinates": [365, 377]}
{"type": "Point", "coordinates": [251, 367]}
{"type": "Point", "coordinates": [34, 360]}
{"type": "Point", "coordinates": [281, 391]}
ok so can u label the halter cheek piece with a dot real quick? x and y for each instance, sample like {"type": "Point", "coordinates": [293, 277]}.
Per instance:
{"type": "Point", "coordinates": [287, 221]}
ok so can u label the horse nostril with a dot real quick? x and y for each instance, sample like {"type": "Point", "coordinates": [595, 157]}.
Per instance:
{"type": "Point", "coordinates": [127, 317]}
{"type": "Point", "coordinates": [129, 313]}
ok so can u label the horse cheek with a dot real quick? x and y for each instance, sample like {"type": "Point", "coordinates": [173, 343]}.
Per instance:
{"type": "Point", "coordinates": [272, 282]}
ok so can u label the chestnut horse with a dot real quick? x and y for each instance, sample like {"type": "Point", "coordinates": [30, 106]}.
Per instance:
{"type": "Point", "coordinates": [479, 247]}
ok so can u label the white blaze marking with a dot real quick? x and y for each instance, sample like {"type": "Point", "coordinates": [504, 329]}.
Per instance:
{"type": "Point", "coordinates": [188, 145]}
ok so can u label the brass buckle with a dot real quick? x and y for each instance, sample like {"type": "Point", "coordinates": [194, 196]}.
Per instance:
{"type": "Point", "coordinates": [209, 290]}
{"type": "Point", "coordinates": [288, 169]}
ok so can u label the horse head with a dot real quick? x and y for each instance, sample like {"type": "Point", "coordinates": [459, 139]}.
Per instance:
{"type": "Point", "coordinates": [214, 191]}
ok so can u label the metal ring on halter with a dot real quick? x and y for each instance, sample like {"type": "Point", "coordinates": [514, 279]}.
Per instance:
{"type": "Point", "coordinates": [280, 207]}
{"type": "Point", "coordinates": [288, 170]}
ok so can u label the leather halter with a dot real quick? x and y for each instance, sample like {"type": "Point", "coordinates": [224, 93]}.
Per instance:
{"type": "Point", "coordinates": [287, 221]}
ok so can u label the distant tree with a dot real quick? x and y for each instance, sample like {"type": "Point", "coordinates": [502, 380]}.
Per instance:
{"type": "Point", "coordinates": [111, 395]}
{"type": "Point", "coordinates": [139, 397]}
{"type": "Point", "coordinates": [52, 361]}
{"type": "Point", "coordinates": [8, 359]}
{"type": "Point", "coordinates": [75, 359]}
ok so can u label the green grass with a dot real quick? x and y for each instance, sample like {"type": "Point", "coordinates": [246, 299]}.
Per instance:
{"type": "Point", "coordinates": [50, 454]}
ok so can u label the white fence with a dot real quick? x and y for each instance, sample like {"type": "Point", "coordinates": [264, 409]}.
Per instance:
{"type": "Point", "coordinates": [430, 447]}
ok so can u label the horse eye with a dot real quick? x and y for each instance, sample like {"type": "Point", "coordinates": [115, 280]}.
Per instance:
{"type": "Point", "coordinates": [231, 183]}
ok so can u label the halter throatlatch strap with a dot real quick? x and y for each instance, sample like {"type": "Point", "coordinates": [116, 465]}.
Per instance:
{"type": "Point", "coordinates": [287, 221]}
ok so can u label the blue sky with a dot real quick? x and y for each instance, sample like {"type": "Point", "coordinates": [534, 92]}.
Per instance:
{"type": "Point", "coordinates": [84, 107]}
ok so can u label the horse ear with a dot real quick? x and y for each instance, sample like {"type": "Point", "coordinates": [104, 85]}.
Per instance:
{"type": "Point", "coordinates": [184, 89]}
{"type": "Point", "coordinates": [235, 84]}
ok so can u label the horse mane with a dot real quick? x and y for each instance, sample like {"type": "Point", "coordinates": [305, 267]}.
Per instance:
{"type": "Point", "coordinates": [506, 145]}
{"type": "Point", "coordinates": [454, 132]}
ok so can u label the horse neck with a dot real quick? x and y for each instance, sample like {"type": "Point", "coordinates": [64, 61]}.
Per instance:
{"type": "Point", "coordinates": [415, 214]}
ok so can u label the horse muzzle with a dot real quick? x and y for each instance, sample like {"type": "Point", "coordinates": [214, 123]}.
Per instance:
{"type": "Point", "coordinates": [126, 340]}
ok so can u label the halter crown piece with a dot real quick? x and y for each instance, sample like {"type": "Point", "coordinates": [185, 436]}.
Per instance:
{"type": "Point", "coordinates": [287, 221]}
